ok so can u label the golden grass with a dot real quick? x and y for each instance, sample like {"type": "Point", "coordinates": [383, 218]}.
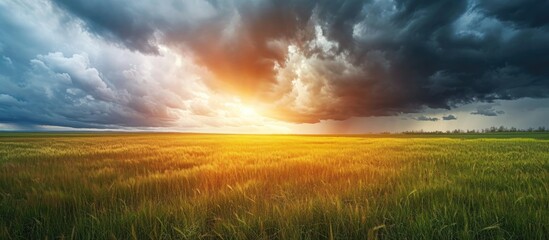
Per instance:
{"type": "Point", "coordinates": [192, 186]}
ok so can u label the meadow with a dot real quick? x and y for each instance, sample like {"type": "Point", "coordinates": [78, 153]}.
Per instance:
{"type": "Point", "coordinates": [202, 186]}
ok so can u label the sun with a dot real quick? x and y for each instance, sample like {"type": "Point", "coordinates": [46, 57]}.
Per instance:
{"type": "Point", "coordinates": [249, 117]}
{"type": "Point", "coordinates": [238, 108]}
{"type": "Point", "coordinates": [247, 111]}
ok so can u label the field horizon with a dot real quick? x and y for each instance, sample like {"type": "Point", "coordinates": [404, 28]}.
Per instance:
{"type": "Point", "coordinates": [211, 186]}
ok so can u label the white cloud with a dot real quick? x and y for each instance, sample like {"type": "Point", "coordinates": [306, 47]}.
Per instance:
{"type": "Point", "coordinates": [79, 72]}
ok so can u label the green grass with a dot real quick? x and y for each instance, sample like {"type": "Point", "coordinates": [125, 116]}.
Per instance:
{"type": "Point", "coordinates": [203, 186]}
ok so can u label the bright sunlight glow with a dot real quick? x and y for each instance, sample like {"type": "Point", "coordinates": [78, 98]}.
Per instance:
{"type": "Point", "coordinates": [247, 111]}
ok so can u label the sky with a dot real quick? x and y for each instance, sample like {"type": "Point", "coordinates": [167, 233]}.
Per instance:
{"type": "Point", "coordinates": [258, 66]}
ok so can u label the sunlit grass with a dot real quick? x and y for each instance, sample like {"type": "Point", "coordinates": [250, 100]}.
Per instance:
{"type": "Point", "coordinates": [185, 186]}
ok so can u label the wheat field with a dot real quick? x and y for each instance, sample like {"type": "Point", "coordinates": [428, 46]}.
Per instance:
{"type": "Point", "coordinates": [202, 186]}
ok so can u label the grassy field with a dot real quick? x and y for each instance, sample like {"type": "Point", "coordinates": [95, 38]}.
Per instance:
{"type": "Point", "coordinates": [192, 186]}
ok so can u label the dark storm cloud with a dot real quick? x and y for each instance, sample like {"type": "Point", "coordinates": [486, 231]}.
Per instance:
{"type": "Point", "coordinates": [487, 110]}
{"type": "Point", "coordinates": [426, 118]}
{"type": "Point", "coordinates": [529, 13]}
{"type": "Point", "coordinates": [400, 56]}
{"type": "Point", "coordinates": [449, 117]}
{"type": "Point", "coordinates": [307, 60]}
{"type": "Point", "coordinates": [136, 25]}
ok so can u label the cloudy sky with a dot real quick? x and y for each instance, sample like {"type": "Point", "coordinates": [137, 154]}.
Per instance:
{"type": "Point", "coordinates": [280, 66]}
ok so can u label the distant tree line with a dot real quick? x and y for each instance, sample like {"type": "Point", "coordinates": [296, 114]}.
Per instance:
{"type": "Point", "coordinates": [500, 129]}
